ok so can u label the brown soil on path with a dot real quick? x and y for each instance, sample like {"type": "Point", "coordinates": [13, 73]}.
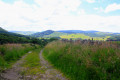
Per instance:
{"type": "Point", "coordinates": [50, 72]}
{"type": "Point", "coordinates": [14, 72]}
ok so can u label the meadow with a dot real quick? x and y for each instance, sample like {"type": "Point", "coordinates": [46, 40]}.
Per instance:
{"type": "Point", "coordinates": [85, 60]}
{"type": "Point", "coordinates": [10, 53]}
{"type": "Point", "coordinates": [83, 36]}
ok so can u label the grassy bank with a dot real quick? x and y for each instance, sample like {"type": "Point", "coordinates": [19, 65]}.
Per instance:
{"type": "Point", "coordinates": [9, 53]}
{"type": "Point", "coordinates": [80, 61]}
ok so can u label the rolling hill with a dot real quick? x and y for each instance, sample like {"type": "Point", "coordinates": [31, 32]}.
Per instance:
{"type": "Point", "coordinates": [23, 32]}
{"type": "Point", "coordinates": [75, 34]}
{"type": "Point", "coordinates": [48, 34]}
{"type": "Point", "coordinates": [62, 34]}
{"type": "Point", "coordinates": [88, 33]}
{"type": "Point", "coordinates": [42, 34]}
{"type": "Point", "coordinates": [3, 30]}
{"type": "Point", "coordinates": [76, 31]}
{"type": "Point", "coordinates": [9, 37]}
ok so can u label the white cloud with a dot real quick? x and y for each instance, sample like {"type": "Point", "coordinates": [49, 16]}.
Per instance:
{"type": "Point", "coordinates": [87, 22]}
{"type": "Point", "coordinates": [71, 5]}
{"type": "Point", "coordinates": [90, 1]}
{"type": "Point", "coordinates": [53, 14]}
{"type": "Point", "coordinates": [112, 7]}
{"type": "Point", "coordinates": [99, 9]}
{"type": "Point", "coordinates": [81, 12]}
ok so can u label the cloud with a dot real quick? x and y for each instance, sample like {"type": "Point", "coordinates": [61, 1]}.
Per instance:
{"type": "Point", "coordinates": [81, 12]}
{"type": "Point", "coordinates": [87, 22]}
{"type": "Point", "coordinates": [112, 7]}
{"type": "Point", "coordinates": [55, 15]}
{"type": "Point", "coordinates": [99, 9]}
{"type": "Point", "coordinates": [90, 1]}
{"type": "Point", "coordinates": [71, 5]}
{"type": "Point", "coordinates": [20, 14]}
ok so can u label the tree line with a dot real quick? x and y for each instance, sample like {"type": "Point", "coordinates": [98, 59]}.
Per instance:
{"type": "Point", "coordinates": [7, 38]}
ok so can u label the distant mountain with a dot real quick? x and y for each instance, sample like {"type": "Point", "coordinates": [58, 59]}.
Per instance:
{"type": "Point", "coordinates": [75, 34]}
{"type": "Point", "coordinates": [41, 34]}
{"type": "Point", "coordinates": [76, 31]}
{"type": "Point", "coordinates": [114, 38]}
{"type": "Point", "coordinates": [9, 37]}
{"type": "Point", "coordinates": [3, 30]}
{"type": "Point", "coordinates": [48, 34]}
{"type": "Point", "coordinates": [87, 33]}
{"type": "Point", "coordinates": [23, 32]}
{"type": "Point", "coordinates": [71, 31]}
{"type": "Point", "coordinates": [55, 34]}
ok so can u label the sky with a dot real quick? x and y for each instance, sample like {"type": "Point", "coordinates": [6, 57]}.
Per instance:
{"type": "Point", "coordinates": [41, 15]}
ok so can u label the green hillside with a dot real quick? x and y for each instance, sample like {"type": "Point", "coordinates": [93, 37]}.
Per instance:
{"type": "Point", "coordinates": [8, 37]}
{"type": "Point", "coordinates": [1, 29]}
{"type": "Point", "coordinates": [55, 34]}
{"type": "Point", "coordinates": [114, 38]}
{"type": "Point", "coordinates": [76, 34]}
{"type": "Point", "coordinates": [83, 36]}
{"type": "Point", "coordinates": [24, 32]}
{"type": "Point", "coordinates": [42, 34]}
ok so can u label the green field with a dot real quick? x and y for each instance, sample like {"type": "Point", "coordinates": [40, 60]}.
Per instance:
{"type": "Point", "coordinates": [82, 36]}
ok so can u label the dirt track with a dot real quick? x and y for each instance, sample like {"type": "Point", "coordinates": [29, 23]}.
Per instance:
{"type": "Point", "coordinates": [50, 72]}
{"type": "Point", "coordinates": [13, 73]}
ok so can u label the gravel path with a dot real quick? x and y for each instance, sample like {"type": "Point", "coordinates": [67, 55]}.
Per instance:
{"type": "Point", "coordinates": [13, 73]}
{"type": "Point", "coordinates": [50, 72]}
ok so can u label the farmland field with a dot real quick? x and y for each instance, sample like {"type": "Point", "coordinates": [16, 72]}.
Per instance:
{"type": "Point", "coordinates": [82, 36]}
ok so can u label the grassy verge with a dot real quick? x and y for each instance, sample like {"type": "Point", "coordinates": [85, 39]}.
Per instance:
{"type": "Point", "coordinates": [80, 61]}
{"type": "Point", "coordinates": [31, 65]}
{"type": "Point", "coordinates": [10, 53]}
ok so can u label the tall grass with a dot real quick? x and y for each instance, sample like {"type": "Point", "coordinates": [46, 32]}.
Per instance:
{"type": "Point", "coordinates": [80, 61]}
{"type": "Point", "coordinates": [9, 53]}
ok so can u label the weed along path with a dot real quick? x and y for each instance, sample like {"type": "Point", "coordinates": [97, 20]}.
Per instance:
{"type": "Point", "coordinates": [32, 66]}
{"type": "Point", "coordinates": [50, 72]}
{"type": "Point", "coordinates": [13, 73]}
